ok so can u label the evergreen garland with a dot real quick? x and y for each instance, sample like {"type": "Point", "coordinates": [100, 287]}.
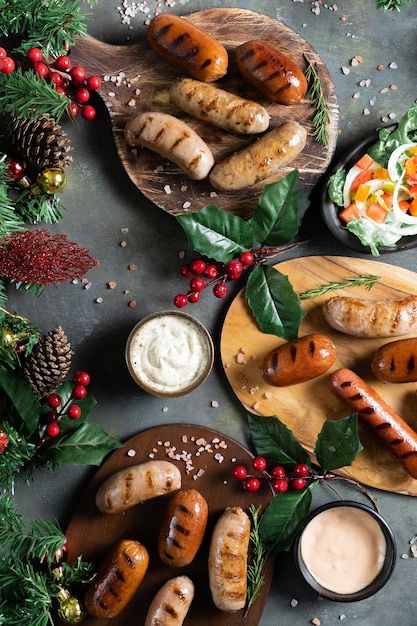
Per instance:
{"type": "Point", "coordinates": [25, 94]}
{"type": "Point", "coordinates": [392, 5]}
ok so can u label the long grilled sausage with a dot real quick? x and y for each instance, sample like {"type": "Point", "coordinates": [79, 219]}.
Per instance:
{"type": "Point", "coordinates": [299, 360]}
{"type": "Point", "coordinates": [384, 421]}
{"type": "Point", "coordinates": [264, 158]}
{"type": "Point", "coordinates": [218, 107]}
{"type": "Point", "coordinates": [367, 318]}
{"type": "Point", "coordinates": [271, 72]}
{"type": "Point", "coordinates": [193, 50]}
{"type": "Point", "coordinates": [182, 528]}
{"type": "Point", "coordinates": [396, 362]}
{"type": "Point", "coordinates": [228, 560]}
{"type": "Point", "coordinates": [170, 605]}
{"type": "Point", "coordinates": [118, 577]}
{"type": "Point", "coordinates": [172, 139]}
{"type": "Point", "coordinates": [136, 484]}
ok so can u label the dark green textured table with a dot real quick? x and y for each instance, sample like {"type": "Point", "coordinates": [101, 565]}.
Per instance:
{"type": "Point", "coordinates": [100, 200]}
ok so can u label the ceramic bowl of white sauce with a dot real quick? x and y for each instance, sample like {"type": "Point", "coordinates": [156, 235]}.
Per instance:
{"type": "Point", "coordinates": [169, 353]}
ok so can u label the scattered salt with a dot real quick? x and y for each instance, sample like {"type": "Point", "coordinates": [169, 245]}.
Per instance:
{"type": "Point", "coordinates": [131, 453]}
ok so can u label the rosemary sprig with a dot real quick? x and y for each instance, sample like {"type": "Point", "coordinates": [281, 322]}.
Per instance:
{"type": "Point", "coordinates": [259, 556]}
{"type": "Point", "coordinates": [392, 5]}
{"type": "Point", "coordinates": [315, 92]}
{"type": "Point", "coordinates": [364, 280]}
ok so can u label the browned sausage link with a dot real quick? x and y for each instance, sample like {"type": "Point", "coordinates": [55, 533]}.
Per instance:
{"type": "Point", "coordinates": [187, 46]}
{"type": "Point", "coordinates": [299, 360]}
{"type": "Point", "coordinates": [271, 72]}
{"type": "Point", "coordinates": [118, 577]}
{"type": "Point", "coordinates": [371, 408]}
{"type": "Point", "coordinates": [182, 528]}
{"type": "Point", "coordinates": [396, 362]}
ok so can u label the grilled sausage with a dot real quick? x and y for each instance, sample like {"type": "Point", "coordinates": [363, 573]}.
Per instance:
{"type": "Point", "coordinates": [228, 557]}
{"type": "Point", "coordinates": [299, 360]}
{"type": "Point", "coordinates": [367, 318]}
{"type": "Point", "coordinates": [396, 362]}
{"type": "Point", "coordinates": [193, 50]}
{"type": "Point", "coordinates": [261, 159]}
{"type": "Point", "coordinates": [390, 427]}
{"type": "Point", "coordinates": [218, 107]}
{"type": "Point", "coordinates": [271, 72]}
{"type": "Point", "coordinates": [183, 528]}
{"type": "Point", "coordinates": [137, 484]}
{"type": "Point", "coordinates": [118, 577]}
{"type": "Point", "coordinates": [172, 139]}
{"type": "Point", "coordinates": [170, 605]}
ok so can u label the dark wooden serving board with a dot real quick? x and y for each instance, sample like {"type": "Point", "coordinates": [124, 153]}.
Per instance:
{"type": "Point", "coordinates": [91, 533]}
{"type": "Point", "coordinates": [145, 71]}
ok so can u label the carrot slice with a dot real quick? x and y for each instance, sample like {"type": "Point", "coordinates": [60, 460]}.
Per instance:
{"type": "Point", "coordinates": [365, 162]}
{"type": "Point", "coordinates": [362, 193]}
{"type": "Point", "coordinates": [376, 212]}
{"type": "Point", "coordinates": [404, 205]}
{"type": "Point", "coordinates": [413, 208]}
{"type": "Point", "coordinates": [350, 213]}
{"type": "Point", "coordinates": [360, 179]}
{"type": "Point", "coordinates": [381, 172]}
{"type": "Point", "coordinates": [387, 198]}
{"type": "Point", "coordinates": [413, 191]}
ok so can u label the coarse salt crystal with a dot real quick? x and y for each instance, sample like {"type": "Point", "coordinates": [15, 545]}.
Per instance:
{"type": "Point", "coordinates": [183, 188]}
{"type": "Point", "coordinates": [201, 442]}
{"type": "Point", "coordinates": [131, 453]}
{"type": "Point", "coordinates": [384, 90]}
{"type": "Point", "coordinates": [151, 455]}
{"type": "Point", "coordinates": [99, 300]}
{"type": "Point", "coordinates": [392, 116]}
{"type": "Point", "coordinates": [214, 404]}
{"type": "Point", "coordinates": [131, 103]}
{"type": "Point", "coordinates": [294, 603]}
{"type": "Point", "coordinates": [184, 439]}
{"type": "Point", "coordinates": [316, 621]}
{"type": "Point", "coordinates": [159, 443]}
{"type": "Point", "coordinates": [74, 281]}
{"type": "Point", "coordinates": [165, 409]}
{"type": "Point", "coordinates": [256, 406]}
{"type": "Point", "coordinates": [167, 444]}
{"type": "Point", "coordinates": [342, 617]}
{"type": "Point", "coordinates": [241, 358]}
{"type": "Point", "coordinates": [167, 189]}
{"type": "Point", "coordinates": [345, 70]}
{"type": "Point", "coordinates": [393, 66]}
{"type": "Point", "coordinates": [181, 254]}
{"type": "Point", "coordinates": [366, 112]}
{"type": "Point", "coordinates": [213, 194]}
{"type": "Point", "coordinates": [215, 440]}
{"type": "Point", "coordinates": [356, 95]}
{"type": "Point", "coordinates": [186, 205]}
{"type": "Point", "coordinates": [404, 556]}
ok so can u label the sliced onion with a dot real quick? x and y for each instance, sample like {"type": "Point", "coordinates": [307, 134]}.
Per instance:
{"type": "Point", "coordinates": [350, 177]}
{"type": "Point", "coordinates": [395, 157]}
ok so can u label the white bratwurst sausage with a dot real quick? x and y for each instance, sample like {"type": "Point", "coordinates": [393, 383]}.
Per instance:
{"type": "Point", "coordinates": [172, 139]}
{"type": "Point", "coordinates": [136, 484]}
{"type": "Point", "coordinates": [219, 107]}
{"type": "Point", "coordinates": [228, 559]}
{"type": "Point", "coordinates": [170, 605]}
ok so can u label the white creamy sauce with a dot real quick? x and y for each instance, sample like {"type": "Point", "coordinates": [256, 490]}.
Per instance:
{"type": "Point", "coordinates": [169, 353]}
{"type": "Point", "coordinates": [343, 548]}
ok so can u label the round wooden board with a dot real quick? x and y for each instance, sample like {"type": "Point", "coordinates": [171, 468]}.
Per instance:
{"type": "Point", "coordinates": [145, 71]}
{"type": "Point", "coordinates": [91, 533]}
{"type": "Point", "coordinates": [304, 407]}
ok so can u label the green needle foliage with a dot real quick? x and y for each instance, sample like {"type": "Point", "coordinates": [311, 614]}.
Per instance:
{"type": "Point", "coordinates": [392, 5]}
{"type": "Point", "coordinates": [25, 597]}
{"type": "Point", "coordinates": [25, 94]}
{"type": "Point", "coordinates": [315, 91]}
{"type": "Point", "coordinates": [9, 221]}
{"type": "Point", "coordinates": [15, 458]}
{"type": "Point", "coordinates": [42, 207]}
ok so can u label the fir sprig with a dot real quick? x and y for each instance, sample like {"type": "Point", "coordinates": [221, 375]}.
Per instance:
{"type": "Point", "coordinates": [315, 92]}
{"type": "Point", "coordinates": [260, 555]}
{"type": "Point", "coordinates": [15, 330]}
{"type": "Point", "coordinates": [25, 599]}
{"type": "Point", "coordinates": [24, 94]}
{"type": "Point", "coordinates": [42, 207]}
{"type": "Point", "coordinates": [16, 457]}
{"type": "Point", "coordinates": [364, 280]}
{"type": "Point", "coordinates": [392, 5]}
{"type": "Point", "coordinates": [10, 222]}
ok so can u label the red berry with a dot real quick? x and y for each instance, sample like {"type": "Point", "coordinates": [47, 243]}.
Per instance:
{"type": "Point", "coordinates": [15, 169]}
{"type": "Point", "coordinates": [63, 63]}
{"type": "Point", "coordinates": [246, 258]}
{"type": "Point", "coordinates": [88, 112]}
{"type": "Point", "coordinates": [3, 53]}
{"type": "Point", "coordinates": [301, 470]}
{"type": "Point", "coordinates": [74, 412]}
{"type": "Point", "coordinates": [194, 297]}
{"type": "Point", "coordinates": [198, 284]}
{"type": "Point", "coordinates": [240, 472]}
{"type": "Point", "coordinates": [50, 417]}
{"type": "Point", "coordinates": [185, 271]}
{"type": "Point", "coordinates": [234, 267]}
{"type": "Point", "coordinates": [94, 83]}
{"type": "Point", "coordinates": [82, 95]}
{"type": "Point", "coordinates": [278, 471]}
{"type": "Point", "coordinates": [73, 109]}
{"type": "Point", "coordinates": [41, 69]}
{"type": "Point", "coordinates": [82, 378]}
{"type": "Point", "coordinates": [7, 65]}
{"type": "Point", "coordinates": [78, 74]}
{"type": "Point", "coordinates": [53, 429]}
{"type": "Point", "coordinates": [211, 271]}
{"type": "Point", "coordinates": [259, 464]}
{"type": "Point", "coordinates": [181, 300]}
{"type": "Point", "coordinates": [79, 392]}
{"type": "Point", "coordinates": [34, 55]}
{"type": "Point", "coordinates": [298, 484]}
{"type": "Point", "coordinates": [280, 485]}
{"type": "Point", "coordinates": [61, 90]}
{"type": "Point", "coordinates": [252, 484]}
{"type": "Point", "coordinates": [197, 266]}
{"type": "Point", "coordinates": [220, 290]}
{"type": "Point", "coordinates": [56, 78]}
{"type": "Point", "coordinates": [54, 401]}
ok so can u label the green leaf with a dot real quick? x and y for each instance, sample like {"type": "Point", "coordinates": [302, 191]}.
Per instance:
{"type": "Point", "coordinates": [273, 440]}
{"type": "Point", "coordinates": [338, 443]}
{"type": "Point", "coordinates": [335, 186]}
{"type": "Point", "coordinates": [405, 132]}
{"type": "Point", "coordinates": [23, 399]}
{"type": "Point", "coordinates": [217, 234]}
{"type": "Point", "coordinates": [280, 211]}
{"type": "Point", "coordinates": [274, 303]}
{"type": "Point", "coordinates": [374, 235]}
{"type": "Point", "coordinates": [68, 425]}
{"type": "Point", "coordinates": [283, 518]}
{"type": "Point", "coordinates": [88, 445]}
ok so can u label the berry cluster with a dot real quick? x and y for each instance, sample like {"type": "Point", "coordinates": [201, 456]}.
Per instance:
{"type": "Point", "coordinates": [72, 410]}
{"type": "Point", "coordinates": [7, 64]}
{"type": "Point", "coordinates": [216, 273]}
{"type": "Point", "coordinates": [68, 81]}
{"type": "Point", "coordinates": [278, 477]}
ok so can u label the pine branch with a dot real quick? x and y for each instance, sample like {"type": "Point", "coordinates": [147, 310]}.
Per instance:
{"type": "Point", "coordinates": [392, 5]}
{"type": "Point", "coordinates": [260, 555]}
{"type": "Point", "coordinates": [321, 117]}
{"type": "Point", "coordinates": [24, 94]}
{"type": "Point", "coordinates": [15, 330]}
{"type": "Point", "coordinates": [10, 222]}
{"type": "Point", "coordinates": [31, 287]}
{"type": "Point", "coordinates": [364, 280]}
{"type": "Point", "coordinates": [15, 458]}
{"type": "Point", "coordinates": [78, 572]}
{"type": "Point", "coordinates": [34, 209]}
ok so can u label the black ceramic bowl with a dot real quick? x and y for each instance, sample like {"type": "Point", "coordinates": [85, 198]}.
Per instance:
{"type": "Point", "coordinates": [330, 211]}
{"type": "Point", "coordinates": [383, 576]}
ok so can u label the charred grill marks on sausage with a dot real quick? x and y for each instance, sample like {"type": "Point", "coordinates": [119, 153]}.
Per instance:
{"type": "Point", "coordinates": [293, 353]}
{"type": "Point", "coordinates": [164, 30]}
{"type": "Point", "coordinates": [169, 556]}
{"type": "Point", "coordinates": [159, 134]}
{"type": "Point", "coordinates": [128, 487]}
{"type": "Point", "coordinates": [274, 360]}
{"type": "Point", "coordinates": [248, 54]}
{"type": "Point", "coordinates": [128, 560]}
{"type": "Point", "coordinates": [368, 410]}
{"type": "Point", "coordinates": [346, 383]}
{"type": "Point", "coordinates": [392, 365]}
{"type": "Point", "coordinates": [396, 442]}
{"type": "Point", "coordinates": [194, 161]}
{"type": "Point", "coordinates": [180, 529]}
{"type": "Point", "coordinates": [118, 574]}
{"type": "Point", "coordinates": [179, 40]}
{"type": "Point", "coordinates": [383, 426]}
{"type": "Point", "coordinates": [149, 479]}
{"type": "Point", "coordinates": [206, 63]}
{"type": "Point", "coordinates": [179, 593]}
{"type": "Point", "coordinates": [167, 608]}
{"type": "Point", "coordinates": [259, 65]}
{"type": "Point", "coordinates": [192, 53]}
{"type": "Point", "coordinates": [411, 364]}
{"type": "Point", "coordinates": [407, 455]}
{"type": "Point", "coordinates": [178, 140]}
{"type": "Point", "coordinates": [311, 348]}
{"type": "Point", "coordinates": [274, 74]}
{"type": "Point", "coordinates": [174, 542]}
{"type": "Point", "coordinates": [184, 509]}
{"type": "Point", "coordinates": [357, 396]}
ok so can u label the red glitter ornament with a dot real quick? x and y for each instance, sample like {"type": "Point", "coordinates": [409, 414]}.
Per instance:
{"type": "Point", "coordinates": [39, 257]}
{"type": "Point", "coordinates": [4, 441]}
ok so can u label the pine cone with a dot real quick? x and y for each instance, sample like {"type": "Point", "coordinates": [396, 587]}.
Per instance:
{"type": "Point", "coordinates": [49, 363]}
{"type": "Point", "coordinates": [42, 142]}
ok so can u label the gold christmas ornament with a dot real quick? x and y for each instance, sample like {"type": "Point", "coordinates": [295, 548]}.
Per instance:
{"type": "Point", "coordinates": [52, 180]}
{"type": "Point", "coordinates": [11, 339]}
{"type": "Point", "coordinates": [70, 610]}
